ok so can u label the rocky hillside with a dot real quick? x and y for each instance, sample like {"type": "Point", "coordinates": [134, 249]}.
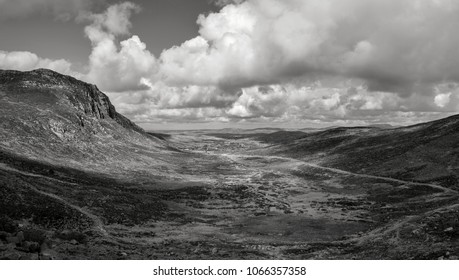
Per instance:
{"type": "Point", "coordinates": [46, 88]}
{"type": "Point", "coordinates": [58, 119]}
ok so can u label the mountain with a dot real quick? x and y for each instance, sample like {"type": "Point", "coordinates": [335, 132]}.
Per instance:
{"type": "Point", "coordinates": [60, 120]}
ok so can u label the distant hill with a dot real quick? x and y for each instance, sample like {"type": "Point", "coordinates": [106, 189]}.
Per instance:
{"type": "Point", "coordinates": [422, 152]}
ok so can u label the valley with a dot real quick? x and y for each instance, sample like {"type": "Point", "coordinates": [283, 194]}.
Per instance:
{"type": "Point", "coordinates": [234, 201]}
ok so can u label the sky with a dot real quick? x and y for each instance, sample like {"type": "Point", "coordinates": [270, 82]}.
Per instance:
{"type": "Point", "coordinates": [181, 64]}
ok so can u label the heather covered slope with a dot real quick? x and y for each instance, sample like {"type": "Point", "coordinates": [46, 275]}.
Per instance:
{"type": "Point", "coordinates": [425, 152]}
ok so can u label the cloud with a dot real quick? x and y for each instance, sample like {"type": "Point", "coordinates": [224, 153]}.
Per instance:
{"type": "Point", "coordinates": [273, 103]}
{"type": "Point", "coordinates": [394, 45]}
{"type": "Point", "coordinates": [25, 61]}
{"type": "Point", "coordinates": [261, 102]}
{"type": "Point", "coordinates": [114, 21]}
{"type": "Point", "coordinates": [117, 67]}
{"type": "Point", "coordinates": [190, 96]}
{"type": "Point", "coordinates": [61, 10]}
{"type": "Point", "coordinates": [290, 102]}
{"type": "Point", "coordinates": [442, 99]}
{"type": "Point", "coordinates": [335, 62]}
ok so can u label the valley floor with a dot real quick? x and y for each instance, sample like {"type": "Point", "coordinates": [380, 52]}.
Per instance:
{"type": "Point", "coordinates": [233, 199]}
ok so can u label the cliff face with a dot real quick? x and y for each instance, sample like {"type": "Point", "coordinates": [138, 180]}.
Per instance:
{"type": "Point", "coordinates": [46, 115]}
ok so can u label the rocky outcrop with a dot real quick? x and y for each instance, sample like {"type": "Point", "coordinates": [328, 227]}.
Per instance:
{"type": "Point", "coordinates": [84, 97]}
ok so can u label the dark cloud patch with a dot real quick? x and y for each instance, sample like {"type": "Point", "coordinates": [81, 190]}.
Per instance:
{"type": "Point", "coordinates": [222, 3]}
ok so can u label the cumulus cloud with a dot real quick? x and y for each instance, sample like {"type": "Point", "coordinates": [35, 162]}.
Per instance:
{"type": "Point", "coordinates": [62, 10]}
{"type": "Point", "coordinates": [190, 96]}
{"type": "Point", "coordinates": [25, 61]}
{"type": "Point", "coordinates": [113, 66]}
{"type": "Point", "coordinates": [292, 102]}
{"type": "Point", "coordinates": [393, 45]}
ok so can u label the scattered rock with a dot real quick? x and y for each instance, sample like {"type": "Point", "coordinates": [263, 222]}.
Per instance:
{"type": "Point", "coordinates": [450, 229]}
{"type": "Point", "coordinates": [73, 242]}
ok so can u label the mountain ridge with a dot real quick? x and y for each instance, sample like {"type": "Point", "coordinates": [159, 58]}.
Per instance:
{"type": "Point", "coordinates": [86, 96]}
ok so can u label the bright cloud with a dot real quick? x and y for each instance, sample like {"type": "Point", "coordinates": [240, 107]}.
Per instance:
{"type": "Point", "coordinates": [442, 99]}
{"type": "Point", "coordinates": [113, 67]}
{"type": "Point", "coordinates": [25, 61]}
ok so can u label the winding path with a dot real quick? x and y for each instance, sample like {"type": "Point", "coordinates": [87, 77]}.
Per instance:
{"type": "Point", "coordinates": [98, 224]}
{"type": "Point", "coordinates": [9, 168]}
